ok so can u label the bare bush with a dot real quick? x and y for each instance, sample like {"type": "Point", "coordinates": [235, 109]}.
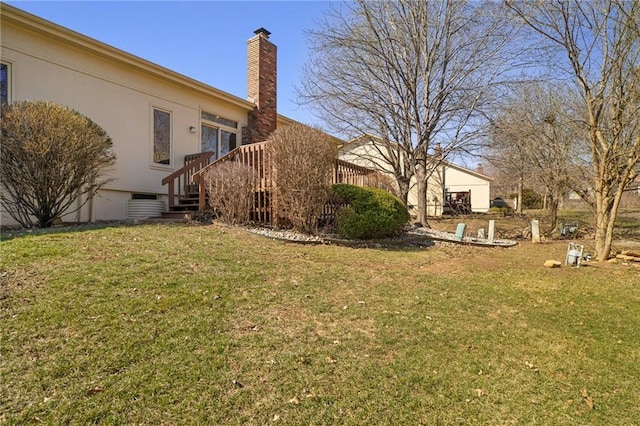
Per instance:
{"type": "Point", "coordinates": [302, 160]}
{"type": "Point", "coordinates": [384, 181]}
{"type": "Point", "coordinates": [52, 161]}
{"type": "Point", "coordinates": [230, 187]}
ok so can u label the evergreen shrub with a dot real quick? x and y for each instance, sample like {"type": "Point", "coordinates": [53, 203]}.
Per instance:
{"type": "Point", "coordinates": [368, 212]}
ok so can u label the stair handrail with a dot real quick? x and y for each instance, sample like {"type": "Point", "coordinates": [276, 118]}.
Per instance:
{"type": "Point", "coordinates": [230, 156]}
{"type": "Point", "coordinates": [197, 164]}
{"type": "Point", "coordinates": [227, 157]}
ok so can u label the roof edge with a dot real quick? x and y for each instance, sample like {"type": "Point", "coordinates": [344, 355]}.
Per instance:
{"type": "Point", "coordinates": [12, 14]}
{"type": "Point", "coordinates": [368, 137]}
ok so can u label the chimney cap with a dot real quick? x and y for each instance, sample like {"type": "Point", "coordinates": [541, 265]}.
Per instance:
{"type": "Point", "coordinates": [262, 30]}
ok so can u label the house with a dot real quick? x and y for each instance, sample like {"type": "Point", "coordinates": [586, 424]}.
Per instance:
{"type": "Point", "coordinates": [165, 126]}
{"type": "Point", "coordinates": [451, 188]}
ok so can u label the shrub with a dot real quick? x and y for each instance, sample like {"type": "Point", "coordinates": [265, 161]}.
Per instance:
{"type": "Point", "coordinates": [302, 161]}
{"type": "Point", "coordinates": [369, 213]}
{"type": "Point", "coordinates": [231, 188]}
{"type": "Point", "coordinates": [502, 210]}
{"type": "Point", "coordinates": [530, 199]}
{"type": "Point", "coordinates": [52, 161]}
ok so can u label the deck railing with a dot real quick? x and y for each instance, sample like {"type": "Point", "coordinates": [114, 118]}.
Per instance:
{"type": "Point", "coordinates": [181, 180]}
{"type": "Point", "coordinates": [345, 172]}
{"type": "Point", "coordinates": [254, 156]}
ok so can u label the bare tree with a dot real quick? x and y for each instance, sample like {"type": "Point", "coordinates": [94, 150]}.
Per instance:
{"type": "Point", "coordinates": [53, 159]}
{"type": "Point", "coordinates": [536, 136]}
{"type": "Point", "coordinates": [415, 73]}
{"type": "Point", "coordinates": [599, 42]}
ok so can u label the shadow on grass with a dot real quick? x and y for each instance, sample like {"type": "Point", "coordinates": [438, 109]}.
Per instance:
{"type": "Point", "coordinates": [7, 234]}
{"type": "Point", "coordinates": [401, 244]}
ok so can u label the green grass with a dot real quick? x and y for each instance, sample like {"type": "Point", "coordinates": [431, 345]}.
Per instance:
{"type": "Point", "coordinates": [182, 324]}
{"type": "Point", "coordinates": [627, 218]}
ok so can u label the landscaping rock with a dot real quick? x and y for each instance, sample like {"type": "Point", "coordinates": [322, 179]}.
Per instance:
{"type": "Point", "coordinates": [411, 237]}
{"type": "Point", "coordinates": [552, 264]}
{"type": "Point", "coordinates": [628, 258]}
{"type": "Point", "coordinates": [287, 235]}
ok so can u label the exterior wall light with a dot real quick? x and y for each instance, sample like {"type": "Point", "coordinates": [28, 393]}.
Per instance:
{"type": "Point", "coordinates": [192, 129]}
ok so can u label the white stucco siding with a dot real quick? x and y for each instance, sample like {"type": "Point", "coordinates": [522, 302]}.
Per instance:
{"type": "Point", "coordinates": [366, 154]}
{"type": "Point", "coordinates": [119, 96]}
{"type": "Point", "coordinates": [459, 180]}
{"type": "Point", "coordinates": [456, 179]}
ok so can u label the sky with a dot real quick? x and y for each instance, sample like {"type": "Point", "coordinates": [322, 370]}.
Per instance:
{"type": "Point", "coordinates": [204, 40]}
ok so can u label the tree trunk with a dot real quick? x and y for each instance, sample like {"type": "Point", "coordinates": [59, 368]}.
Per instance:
{"type": "Point", "coordinates": [553, 210]}
{"type": "Point", "coordinates": [520, 187]}
{"type": "Point", "coordinates": [606, 213]}
{"type": "Point", "coordinates": [421, 180]}
{"type": "Point", "coordinates": [422, 202]}
{"type": "Point", "coordinates": [403, 187]}
{"type": "Point", "coordinates": [602, 246]}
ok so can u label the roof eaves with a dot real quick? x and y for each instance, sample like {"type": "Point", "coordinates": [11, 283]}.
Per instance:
{"type": "Point", "coordinates": [469, 171]}
{"type": "Point", "coordinates": [50, 29]}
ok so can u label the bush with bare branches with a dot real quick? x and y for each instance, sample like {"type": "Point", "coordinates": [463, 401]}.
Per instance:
{"type": "Point", "coordinates": [230, 187]}
{"type": "Point", "coordinates": [384, 181]}
{"type": "Point", "coordinates": [302, 160]}
{"type": "Point", "coordinates": [53, 159]}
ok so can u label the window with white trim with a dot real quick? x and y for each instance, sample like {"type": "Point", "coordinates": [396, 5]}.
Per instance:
{"type": "Point", "coordinates": [161, 136]}
{"type": "Point", "coordinates": [217, 134]}
{"type": "Point", "coordinates": [5, 82]}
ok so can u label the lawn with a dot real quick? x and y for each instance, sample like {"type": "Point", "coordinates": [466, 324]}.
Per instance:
{"type": "Point", "coordinates": [183, 324]}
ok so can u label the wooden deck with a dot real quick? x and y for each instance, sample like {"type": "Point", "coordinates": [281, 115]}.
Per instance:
{"type": "Point", "coordinates": [189, 180]}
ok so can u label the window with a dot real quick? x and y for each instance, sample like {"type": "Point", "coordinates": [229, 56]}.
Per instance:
{"type": "Point", "coordinates": [209, 138]}
{"type": "Point", "coordinates": [5, 83]}
{"type": "Point", "coordinates": [218, 134]}
{"type": "Point", "coordinates": [144, 197]}
{"type": "Point", "coordinates": [161, 137]}
{"type": "Point", "coordinates": [217, 119]}
{"type": "Point", "coordinates": [227, 142]}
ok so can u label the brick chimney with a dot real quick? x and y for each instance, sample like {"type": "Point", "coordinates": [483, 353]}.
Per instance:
{"type": "Point", "coordinates": [480, 168]}
{"type": "Point", "coordinates": [261, 87]}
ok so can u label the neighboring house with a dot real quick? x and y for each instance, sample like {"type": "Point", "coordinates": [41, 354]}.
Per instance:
{"type": "Point", "coordinates": [449, 182]}
{"type": "Point", "coordinates": [158, 119]}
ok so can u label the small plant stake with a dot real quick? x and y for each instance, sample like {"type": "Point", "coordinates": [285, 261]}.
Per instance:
{"type": "Point", "coordinates": [492, 231]}
{"type": "Point", "coordinates": [535, 231]}
{"type": "Point", "coordinates": [460, 231]}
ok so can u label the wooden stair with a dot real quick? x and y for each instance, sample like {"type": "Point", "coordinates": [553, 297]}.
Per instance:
{"type": "Point", "coordinates": [183, 190]}
{"type": "Point", "coordinates": [186, 208]}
